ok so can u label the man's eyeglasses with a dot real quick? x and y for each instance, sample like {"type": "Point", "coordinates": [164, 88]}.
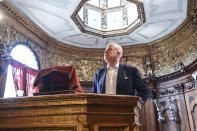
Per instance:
{"type": "Point", "coordinates": [110, 50]}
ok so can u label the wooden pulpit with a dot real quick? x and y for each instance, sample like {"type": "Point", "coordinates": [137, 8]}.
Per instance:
{"type": "Point", "coordinates": [71, 112]}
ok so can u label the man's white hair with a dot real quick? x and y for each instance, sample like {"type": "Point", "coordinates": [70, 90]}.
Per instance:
{"type": "Point", "coordinates": [117, 47]}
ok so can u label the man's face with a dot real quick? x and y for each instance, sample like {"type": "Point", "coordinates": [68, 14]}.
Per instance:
{"type": "Point", "coordinates": [110, 54]}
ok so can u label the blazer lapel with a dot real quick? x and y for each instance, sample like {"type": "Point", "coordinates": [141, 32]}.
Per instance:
{"type": "Point", "coordinates": [103, 80]}
{"type": "Point", "coordinates": [120, 76]}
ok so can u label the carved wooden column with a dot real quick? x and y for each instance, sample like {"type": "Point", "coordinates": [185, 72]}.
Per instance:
{"type": "Point", "coordinates": [148, 111]}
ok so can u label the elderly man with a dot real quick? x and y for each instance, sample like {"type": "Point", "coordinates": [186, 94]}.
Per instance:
{"type": "Point", "coordinates": [116, 78]}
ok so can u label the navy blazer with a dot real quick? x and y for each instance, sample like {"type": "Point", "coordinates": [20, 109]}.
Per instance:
{"type": "Point", "coordinates": [128, 80]}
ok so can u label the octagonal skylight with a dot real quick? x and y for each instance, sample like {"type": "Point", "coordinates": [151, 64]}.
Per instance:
{"type": "Point", "coordinates": [107, 18]}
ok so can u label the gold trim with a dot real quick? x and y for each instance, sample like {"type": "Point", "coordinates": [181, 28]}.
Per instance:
{"type": "Point", "coordinates": [69, 97]}
{"type": "Point", "coordinates": [66, 114]}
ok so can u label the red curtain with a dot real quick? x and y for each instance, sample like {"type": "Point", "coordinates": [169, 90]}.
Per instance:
{"type": "Point", "coordinates": [18, 72]}
{"type": "Point", "coordinates": [74, 82]}
{"type": "Point", "coordinates": [23, 77]}
{"type": "Point", "coordinates": [30, 78]}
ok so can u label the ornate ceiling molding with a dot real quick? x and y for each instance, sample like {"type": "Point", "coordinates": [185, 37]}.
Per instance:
{"type": "Point", "coordinates": [184, 27]}
{"type": "Point", "coordinates": [63, 49]}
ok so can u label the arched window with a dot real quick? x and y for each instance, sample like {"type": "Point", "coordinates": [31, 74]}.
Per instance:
{"type": "Point", "coordinates": [25, 55]}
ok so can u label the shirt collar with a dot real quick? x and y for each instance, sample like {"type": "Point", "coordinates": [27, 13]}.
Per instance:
{"type": "Point", "coordinates": [117, 66]}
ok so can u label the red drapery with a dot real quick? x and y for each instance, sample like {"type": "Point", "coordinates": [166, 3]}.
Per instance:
{"type": "Point", "coordinates": [30, 78]}
{"type": "Point", "coordinates": [74, 82]}
{"type": "Point", "coordinates": [23, 77]}
{"type": "Point", "coordinates": [18, 72]}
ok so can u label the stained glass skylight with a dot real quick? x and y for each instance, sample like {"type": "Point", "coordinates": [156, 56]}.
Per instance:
{"type": "Point", "coordinates": [106, 18]}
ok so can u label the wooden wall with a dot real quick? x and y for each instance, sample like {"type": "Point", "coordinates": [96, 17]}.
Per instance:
{"type": "Point", "coordinates": [176, 97]}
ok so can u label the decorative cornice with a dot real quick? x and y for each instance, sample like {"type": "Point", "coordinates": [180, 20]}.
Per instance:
{"type": "Point", "coordinates": [66, 114]}
{"type": "Point", "coordinates": [61, 98]}
{"type": "Point", "coordinates": [176, 89]}
{"type": "Point", "coordinates": [171, 76]}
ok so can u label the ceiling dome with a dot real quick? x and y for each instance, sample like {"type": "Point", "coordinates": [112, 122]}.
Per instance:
{"type": "Point", "coordinates": [107, 18]}
{"type": "Point", "coordinates": [161, 17]}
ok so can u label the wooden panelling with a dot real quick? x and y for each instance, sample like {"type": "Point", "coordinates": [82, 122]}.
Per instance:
{"type": "Point", "coordinates": [180, 90]}
{"type": "Point", "coordinates": [71, 112]}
